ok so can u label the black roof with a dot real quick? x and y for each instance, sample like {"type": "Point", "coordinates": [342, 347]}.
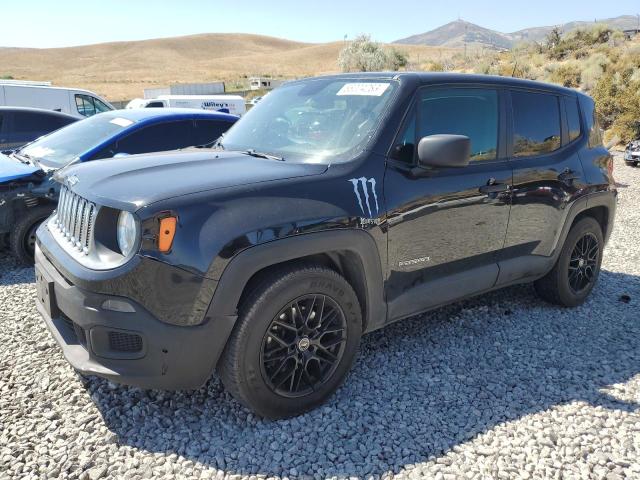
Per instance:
{"type": "Point", "coordinates": [448, 77]}
{"type": "Point", "coordinates": [42, 111]}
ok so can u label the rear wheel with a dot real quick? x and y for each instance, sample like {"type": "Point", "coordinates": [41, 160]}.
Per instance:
{"type": "Point", "coordinates": [631, 163]}
{"type": "Point", "coordinates": [294, 342]}
{"type": "Point", "coordinates": [23, 236]}
{"type": "Point", "coordinates": [576, 271]}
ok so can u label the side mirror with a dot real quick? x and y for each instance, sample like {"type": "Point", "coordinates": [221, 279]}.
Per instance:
{"type": "Point", "coordinates": [444, 151]}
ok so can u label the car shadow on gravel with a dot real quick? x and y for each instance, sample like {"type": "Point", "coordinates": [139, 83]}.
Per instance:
{"type": "Point", "coordinates": [419, 388]}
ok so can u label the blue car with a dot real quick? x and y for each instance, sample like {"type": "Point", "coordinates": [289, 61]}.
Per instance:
{"type": "Point", "coordinates": [28, 194]}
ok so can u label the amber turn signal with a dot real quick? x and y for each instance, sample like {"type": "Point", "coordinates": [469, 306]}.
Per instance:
{"type": "Point", "coordinates": [166, 234]}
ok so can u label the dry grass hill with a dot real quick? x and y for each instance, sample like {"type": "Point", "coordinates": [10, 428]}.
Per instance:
{"type": "Point", "coordinates": [121, 70]}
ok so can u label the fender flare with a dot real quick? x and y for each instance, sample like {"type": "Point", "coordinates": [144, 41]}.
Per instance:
{"type": "Point", "coordinates": [222, 313]}
{"type": "Point", "coordinates": [247, 263]}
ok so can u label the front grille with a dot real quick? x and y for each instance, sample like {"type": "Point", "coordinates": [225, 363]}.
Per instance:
{"type": "Point", "coordinates": [75, 218]}
{"type": "Point", "coordinates": [125, 342]}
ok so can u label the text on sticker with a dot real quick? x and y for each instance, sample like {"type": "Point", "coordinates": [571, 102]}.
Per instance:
{"type": "Point", "coordinates": [367, 89]}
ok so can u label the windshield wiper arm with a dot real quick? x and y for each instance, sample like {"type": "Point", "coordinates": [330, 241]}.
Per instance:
{"type": "Point", "coordinates": [23, 157]}
{"type": "Point", "coordinates": [256, 154]}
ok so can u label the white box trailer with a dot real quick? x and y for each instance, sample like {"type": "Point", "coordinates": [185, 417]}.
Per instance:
{"type": "Point", "coordinates": [233, 104]}
{"type": "Point", "coordinates": [76, 102]}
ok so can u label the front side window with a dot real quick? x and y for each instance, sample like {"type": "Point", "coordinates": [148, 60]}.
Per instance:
{"type": "Point", "coordinates": [536, 123]}
{"type": "Point", "coordinates": [472, 112]}
{"type": "Point", "coordinates": [319, 120]}
{"type": "Point", "coordinates": [85, 105]}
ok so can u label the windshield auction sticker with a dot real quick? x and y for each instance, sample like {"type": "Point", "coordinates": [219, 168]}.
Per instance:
{"type": "Point", "coordinates": [367, 89]}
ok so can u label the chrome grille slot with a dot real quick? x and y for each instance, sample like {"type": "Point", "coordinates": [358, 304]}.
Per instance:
{"type": "Point", "coordinates": [74, 220]}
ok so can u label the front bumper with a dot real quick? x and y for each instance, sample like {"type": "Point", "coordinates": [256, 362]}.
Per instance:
{"type": "Point", "coordinates": [133, 348]}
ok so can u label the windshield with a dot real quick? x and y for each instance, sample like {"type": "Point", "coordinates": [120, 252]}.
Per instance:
{"type": "Point", "coordinates": [64, 145]}
{"type": "Point", "coordinates": [320, 120]}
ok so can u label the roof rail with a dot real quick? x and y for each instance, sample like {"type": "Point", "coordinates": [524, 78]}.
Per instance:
{"type": "Point", "coordinates": [25, 82]}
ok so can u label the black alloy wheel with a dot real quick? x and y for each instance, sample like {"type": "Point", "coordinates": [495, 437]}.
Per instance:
{"type": "Point", "coordinates": [583, 263]}
{"type": "Point", "coordinates": [303, 345]}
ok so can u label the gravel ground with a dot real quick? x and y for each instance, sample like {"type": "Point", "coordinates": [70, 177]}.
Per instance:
{"type": "Point", "coordinates": [503, 386]}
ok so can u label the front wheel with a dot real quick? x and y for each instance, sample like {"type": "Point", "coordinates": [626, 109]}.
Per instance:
{"type": "Point", "coordinates": [23, 236]}
{"type": "Point", "coordinates": [576, 271]}
{"type": "Point", "coordinates": [295, 340]}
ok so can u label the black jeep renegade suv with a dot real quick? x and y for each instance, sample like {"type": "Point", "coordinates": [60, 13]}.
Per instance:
{"type": "Point", "coordinates": [336, 206]}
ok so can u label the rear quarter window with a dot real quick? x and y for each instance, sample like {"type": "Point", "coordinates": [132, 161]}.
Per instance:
{"type": "Point", "coordinates": [536, 123]}
{"type": "Point", "coordinates": [592, 126]}
{"type": "Point", "coordinates": [573, 118]}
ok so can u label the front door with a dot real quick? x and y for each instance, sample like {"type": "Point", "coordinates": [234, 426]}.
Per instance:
{"type": "Point", "coordinates": [446, 226]}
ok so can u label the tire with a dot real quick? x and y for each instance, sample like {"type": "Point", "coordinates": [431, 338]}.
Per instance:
{"type": "Point", "coordinates": [631, 163]}
{"type": "Point", "coordinates": [4, 241]}
{"type": "Point", "coordinates": [22, 237]}
{"type": "Point", "coordinates": [254, 364]}
{"type": "Point", "coordinates": [571, 280]}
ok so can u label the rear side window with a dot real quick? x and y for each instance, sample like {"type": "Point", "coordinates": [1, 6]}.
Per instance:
{"type": "Point", "coordinates": [158, 138]}
{"type": "Point", "coordinates": [207, 131]}
{"type": "Point", "coordinates": [536, 123]}
{"type": "Point", "coordinates": [573, 118]}
{"type": "Point", "coordinates": [37, 124]}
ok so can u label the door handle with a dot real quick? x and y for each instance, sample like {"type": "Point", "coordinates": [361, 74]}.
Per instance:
{"type": "Point", "coordinates": [493, 187]}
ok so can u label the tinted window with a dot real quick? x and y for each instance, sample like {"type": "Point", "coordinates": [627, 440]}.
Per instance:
{"type": "Point", "coordinates": [536, 123]}
{"type": "Point", "coordinates": [39, 124]}
{"type": "Point", "coordinates": [404, 148]}
{"type": "Point", "coordinates": [462, 111]}
{"type": "Point", "coordinates": [209, 130]}
{"type": "Point", "coordinates": [158, 138]}
{"type": "Point", "coordinates": [573, 118]}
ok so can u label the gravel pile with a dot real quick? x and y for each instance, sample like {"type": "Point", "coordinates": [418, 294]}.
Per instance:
{"type": "Point", "coordinates": [503, 386]}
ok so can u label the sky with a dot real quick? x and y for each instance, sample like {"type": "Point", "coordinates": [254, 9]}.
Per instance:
{"type": "Point", "coordinates": [51, 23]}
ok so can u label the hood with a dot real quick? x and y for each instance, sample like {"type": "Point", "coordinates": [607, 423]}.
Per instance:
{"type": "Point", "coordinates": [135, 181]}
{"type": "Point", "coordinates": [13, 169]}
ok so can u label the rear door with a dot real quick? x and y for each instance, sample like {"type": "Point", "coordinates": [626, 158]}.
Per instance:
{"type": "Point", "coordinates": [547, 177]}
{"type": "Point", "coordinates": [447, 225]}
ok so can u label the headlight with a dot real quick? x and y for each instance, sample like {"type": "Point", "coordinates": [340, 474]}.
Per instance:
{"type": "Point", "coordinates": [127, 233]}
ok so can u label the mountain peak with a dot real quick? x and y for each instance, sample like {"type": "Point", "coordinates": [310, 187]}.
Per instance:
{"type": "Point", "coordinates": [459, 32]}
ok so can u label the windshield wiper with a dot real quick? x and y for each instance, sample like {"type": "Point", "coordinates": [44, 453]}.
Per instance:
{"type": "Point", "coordinates": [256, 154]}
{"type": "Point", "coordinates": [23, 157]}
